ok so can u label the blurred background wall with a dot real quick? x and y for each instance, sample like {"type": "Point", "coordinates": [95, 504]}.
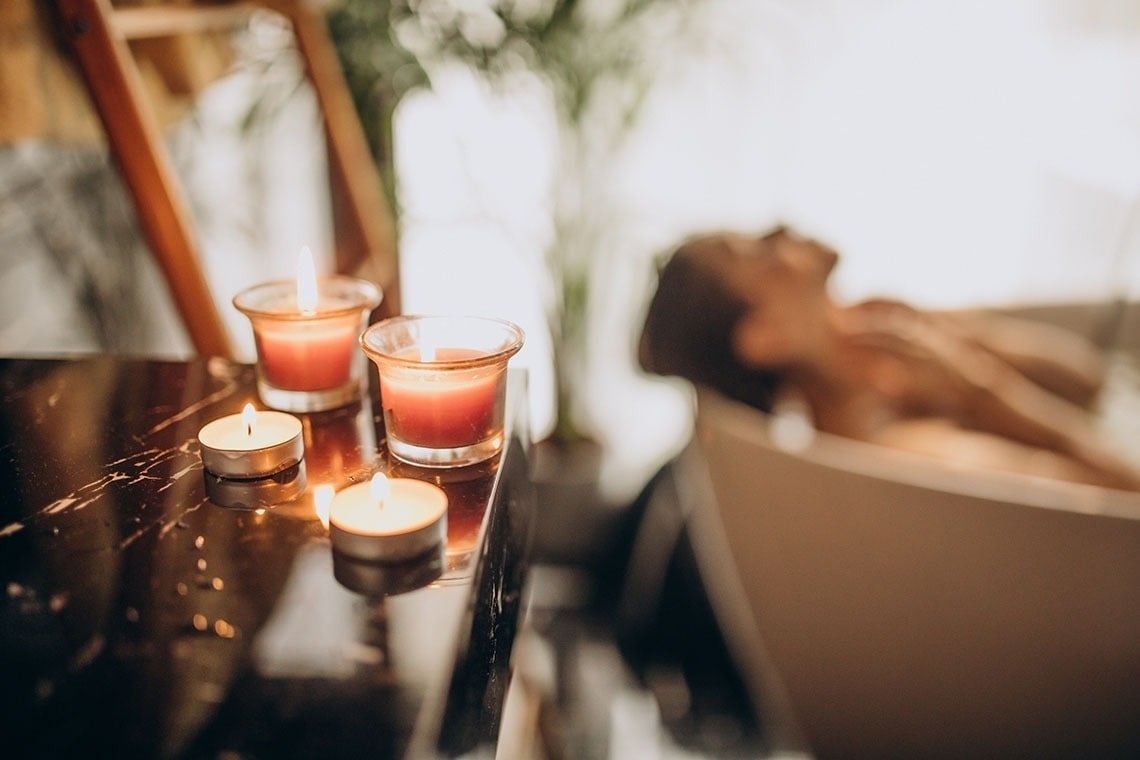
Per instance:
{"type": "Point", "coordinates": [956, 153]}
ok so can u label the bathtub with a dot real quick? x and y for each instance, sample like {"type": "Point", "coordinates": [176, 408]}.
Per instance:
{"type": "Point", "coordinates": [908, 609]}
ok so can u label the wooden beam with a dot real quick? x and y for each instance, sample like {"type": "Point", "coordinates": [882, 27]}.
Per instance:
{"type": "Point", "coordinates": [373, 252]}
{"type": "Point", "coordinates": [138, 22]}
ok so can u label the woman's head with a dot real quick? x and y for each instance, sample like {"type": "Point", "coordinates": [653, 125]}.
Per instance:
{"type": "Point", "coordinates": [730, 310]}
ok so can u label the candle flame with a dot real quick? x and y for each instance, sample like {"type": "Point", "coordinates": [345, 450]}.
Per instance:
{"type": "Point", "coordinates": [322, 500]}
{"type": "Point", "coordinates": [380, 489]}
{"type": "Point", "coordinates": [306, 282]}
{"type": "Point", "coordinates": [249, 417]}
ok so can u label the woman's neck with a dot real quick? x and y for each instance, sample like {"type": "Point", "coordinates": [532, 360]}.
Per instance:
{"type": "Point", "coordinates": [833, 383]}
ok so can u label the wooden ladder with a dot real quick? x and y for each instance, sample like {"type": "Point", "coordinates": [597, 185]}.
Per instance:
{"type": "Point", "coordinates": [98, 34]}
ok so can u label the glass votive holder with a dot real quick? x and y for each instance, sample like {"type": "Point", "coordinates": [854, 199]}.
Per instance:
{"type": "Point", "coordinates": [307, 358]}
{"type": "Point", "coordinates": [442, 385]}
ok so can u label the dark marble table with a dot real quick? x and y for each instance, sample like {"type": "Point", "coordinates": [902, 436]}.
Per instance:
{"type": "Point", "coordinates": [140, 619]}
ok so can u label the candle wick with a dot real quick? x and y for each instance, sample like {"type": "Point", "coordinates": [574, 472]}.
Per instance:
{"type": "Point", "coordinates": [249, 430]}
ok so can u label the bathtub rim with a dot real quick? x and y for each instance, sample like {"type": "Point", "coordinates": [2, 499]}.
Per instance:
{"type": "Point", "coordinates": [886, 465]}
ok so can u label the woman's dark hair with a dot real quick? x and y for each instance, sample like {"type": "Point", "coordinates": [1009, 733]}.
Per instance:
{"type": "Point", "coordinates": [690, 320]}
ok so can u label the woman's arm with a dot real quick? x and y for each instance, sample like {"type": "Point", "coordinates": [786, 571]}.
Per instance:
{"type": "Point", "coordinates": [1061, 361]}
{"type": "Point", "coordinates": [933, 371]}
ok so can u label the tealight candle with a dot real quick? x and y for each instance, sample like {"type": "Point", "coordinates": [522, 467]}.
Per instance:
{"type": "Point", "coordinates": [388, 520]}
{"type": "Point", "coordinates": [305, 333]}
{"type": "Point", "coordinates": [442, 385]}
{"type": "Point", "coordinates": [253, 444]}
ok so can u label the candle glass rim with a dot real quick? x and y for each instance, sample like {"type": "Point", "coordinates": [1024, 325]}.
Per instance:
{"type": "Point", "coordinates": [510, 345]}
{"type": "Point", "coordinates": [367, 295]}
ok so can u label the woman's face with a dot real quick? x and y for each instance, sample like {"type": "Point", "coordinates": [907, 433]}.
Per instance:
{"type": "Point", "coordinates": [783, 279]}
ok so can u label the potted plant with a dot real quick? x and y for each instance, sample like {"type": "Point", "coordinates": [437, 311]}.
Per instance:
{"type": "Point", "coordinates": [593, 58]}
{"type": "Point", "coordinates": [597, 62]}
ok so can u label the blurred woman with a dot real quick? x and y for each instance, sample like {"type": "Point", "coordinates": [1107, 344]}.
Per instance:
{"type": "Point", "coordinates": [752, 317]}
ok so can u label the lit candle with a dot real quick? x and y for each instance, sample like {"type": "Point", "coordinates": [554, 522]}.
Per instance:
{"type": "Point", "coordinates": [388, 520]}
{"type": "Point", "coordinates": [305, 333]}
{"type": "Point", "coordinates": [442, 385]}
{"type": "Point", "coordinates": [253, 444]}
{"type": "Point", "coordinates": [307, 354]}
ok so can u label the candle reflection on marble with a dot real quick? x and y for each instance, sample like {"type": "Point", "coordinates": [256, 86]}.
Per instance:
{"type": "Point", "coordinates": [388, 520]}
{"type": "Point", "coordinates": [341, 444]}
{"type": "Point", "coordinates": [256, 494]}
{"type": "Point", "coordinates": [383, 579]}
{"type": "Point", "coordinates": [468, 495]}
{"type": "Point", "coordinates": [322, 500]}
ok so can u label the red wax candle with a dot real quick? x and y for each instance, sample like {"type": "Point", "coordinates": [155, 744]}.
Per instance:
{"type": "Point", "coordinates": [440, 408]}
{"type": "Point", "coordinates": [308, 356]}
{"type": "Point", "coordinates": [306, 336]}
{"type": "Point", "coordinates": [442, 385]}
